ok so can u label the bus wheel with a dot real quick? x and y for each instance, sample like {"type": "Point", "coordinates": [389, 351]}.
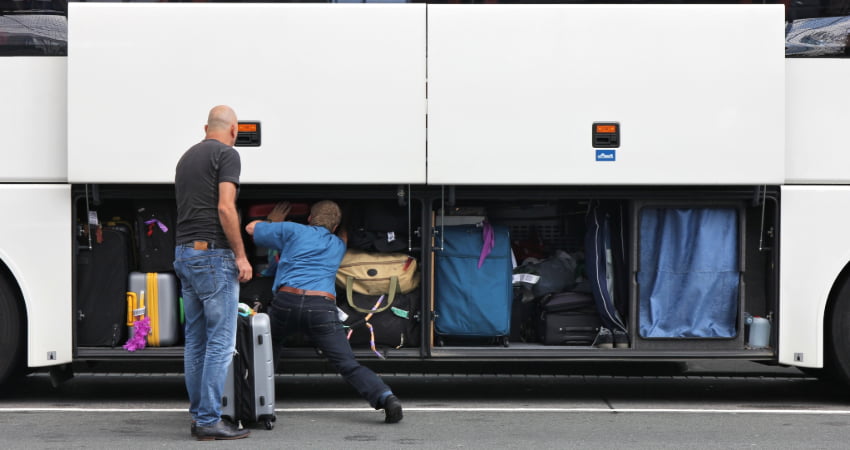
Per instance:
{"type": "Point", "coordinates": [837, 354]}
{"type": "Point", "coordinates": [11, 336]}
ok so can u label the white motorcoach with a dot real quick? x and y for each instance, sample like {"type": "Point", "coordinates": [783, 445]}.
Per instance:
{"type": "Point", "coordinates": [446, 110]}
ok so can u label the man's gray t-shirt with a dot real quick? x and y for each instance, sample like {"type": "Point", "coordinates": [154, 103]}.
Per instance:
{"type": "Point", "coordinates": [198, 174]}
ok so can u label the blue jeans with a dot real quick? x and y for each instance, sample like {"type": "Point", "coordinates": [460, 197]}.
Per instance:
{"type": "Point", "coordinates": [210, 288]}
{"type": "Point", "coordinates": [317, 318]}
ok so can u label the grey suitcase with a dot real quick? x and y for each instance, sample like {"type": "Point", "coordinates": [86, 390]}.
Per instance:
{"type": "Point", "coordinates": [249, 389]}
{"type": "Point", "coordinates": [154, 295]}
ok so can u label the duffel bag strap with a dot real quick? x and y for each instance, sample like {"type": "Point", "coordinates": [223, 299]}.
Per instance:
{"type": "Point", "coordinates": [349, 294]}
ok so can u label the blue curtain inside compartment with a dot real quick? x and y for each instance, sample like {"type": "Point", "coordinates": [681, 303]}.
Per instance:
{"type": "Point", "coordinates": [688, 273]}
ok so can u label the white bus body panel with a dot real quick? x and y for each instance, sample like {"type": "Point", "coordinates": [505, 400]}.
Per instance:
{"type": "Point", "coordinates": [37, 248]}
{"type": "Point", "coordinates": [814, 248]}
{"type": "Point", "coordinates": [32, 119]}
{"type": "Point", "coordinates": [339, 89]}
{"type": "Point", "coordinates": [818, 120]}
{"type": "Point", "coordinates": [698, 90]}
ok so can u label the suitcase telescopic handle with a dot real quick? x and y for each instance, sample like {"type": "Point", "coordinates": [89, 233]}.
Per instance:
{"type": "Point", "coordinates": [135, 307]}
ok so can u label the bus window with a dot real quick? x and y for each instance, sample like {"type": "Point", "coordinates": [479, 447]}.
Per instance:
{"type": "Point", "coordinates": [33, 28]}
{"type": "Point", "coordinates": [818, 28]}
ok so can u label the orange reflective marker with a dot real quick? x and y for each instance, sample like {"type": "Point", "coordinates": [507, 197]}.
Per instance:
{"type": "Point", "coordinates": [606, 128]}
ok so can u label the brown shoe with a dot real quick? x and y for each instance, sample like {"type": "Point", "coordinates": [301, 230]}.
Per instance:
{"type": "Point", "coordinates": [220, 431]}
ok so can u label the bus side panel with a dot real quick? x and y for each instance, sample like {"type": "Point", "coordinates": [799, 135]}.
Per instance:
{"type": "Point", "coordinates": [35, 242]}
{"type": "Point", "coordinates": [32, 119]}
{"type": "Point", "coordinates": [818, 119]}
{"type": "Point", "coordinates": [814, 248]}
{"type": "Point", "coordinates": [514, 90]}
{"type": "Point", "coordinates": [339, 89]}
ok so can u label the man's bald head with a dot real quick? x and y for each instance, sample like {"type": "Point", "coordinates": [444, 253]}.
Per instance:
{"type": "Point", "coordinates": [222, 125]}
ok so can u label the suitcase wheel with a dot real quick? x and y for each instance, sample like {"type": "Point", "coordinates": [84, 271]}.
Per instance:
{"type": "Point", "coordinates": [269, 424]}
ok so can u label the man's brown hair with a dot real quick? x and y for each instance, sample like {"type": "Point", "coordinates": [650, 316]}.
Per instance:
{"type": "Point", "coordinates": [325, 214]}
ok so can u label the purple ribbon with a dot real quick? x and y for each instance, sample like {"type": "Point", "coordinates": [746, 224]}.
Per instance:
{"type": "Point", "coordinates": [159, 224]}
{"type": "Point", "coordinates": [489, 239]}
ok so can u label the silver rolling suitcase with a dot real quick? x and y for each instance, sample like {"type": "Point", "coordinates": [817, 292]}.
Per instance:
{"type": "Point", "coordinates": [154, 295]}
{"type": "Point", "coordinates": [249, 390]}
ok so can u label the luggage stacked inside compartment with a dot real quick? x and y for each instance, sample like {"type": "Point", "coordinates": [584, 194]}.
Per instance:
{"type": "Point", "coordinates": [104, 259]}
{"type": "Point", "coordinates": [125, 275]}
{"type": "Point", "coordinates": [153, 294]}
{"type": "Point", "coordinates": [379, 289]}
{"type": "Point", "coordinates": [565, 289]}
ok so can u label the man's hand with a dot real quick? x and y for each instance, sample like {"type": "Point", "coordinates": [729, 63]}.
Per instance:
{"type": "Point", "coordinates": [279, 212]}
{"type": "Point", "coordinates": [250, 227]}
{"type": "Point", "coordinates": [245, 271]}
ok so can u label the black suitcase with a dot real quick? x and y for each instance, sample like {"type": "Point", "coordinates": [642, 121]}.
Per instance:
{"type": "Point", "coordinates": [568, 318]}
{"type": "Point", "coordinates": [396, 326]}
{"type": "Point", "coordinates": [102, 288]}
{"type": "Point", "coordinates": [156, 224]}
{"type": "Point", "coordinates": [569, 327]}
{"type": "Point", "coordinates": [379, 227]}
{"type": "Point", "coordinates": [566, 301]}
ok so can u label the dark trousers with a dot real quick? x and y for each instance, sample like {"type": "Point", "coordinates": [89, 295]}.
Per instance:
{"type": "Point", "coordinates": [317, 318]}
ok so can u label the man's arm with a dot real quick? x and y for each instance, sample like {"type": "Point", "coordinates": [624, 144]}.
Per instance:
{"type": "Point", "coordinates": [230, 224]}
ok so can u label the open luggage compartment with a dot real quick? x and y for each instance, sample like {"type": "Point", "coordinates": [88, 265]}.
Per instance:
{"type": "Point", "coordinates": [602, 245]}
{"type": "Point", "coordinates": [575, 257]}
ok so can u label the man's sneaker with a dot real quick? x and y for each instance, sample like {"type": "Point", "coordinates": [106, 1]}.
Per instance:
{"type": "Point", "coordinates": [621, 339]}
{"type": "Point", "coordinates": [193, 430]}
{"type": "Point", "coordinates": [604, 339]}
{"type": "Point", "coordinates": [392, 410]}
{"type": "Point", "coordinates": [222, 430]}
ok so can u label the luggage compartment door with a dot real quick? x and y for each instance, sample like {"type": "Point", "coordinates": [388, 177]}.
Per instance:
{"type": "Point", "coordinates": [514, 91]}
{"type": "Point", "coordinates": [339, 90]}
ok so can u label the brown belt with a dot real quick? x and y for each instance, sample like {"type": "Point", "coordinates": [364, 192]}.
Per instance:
{"type": "Point", "coordinates": [293, 290]}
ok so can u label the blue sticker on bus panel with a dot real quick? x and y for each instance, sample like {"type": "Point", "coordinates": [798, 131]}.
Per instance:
{"type": "Point", "coordinates": [606, 155]}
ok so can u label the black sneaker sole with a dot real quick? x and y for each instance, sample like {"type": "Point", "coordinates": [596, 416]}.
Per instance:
{"type": "Point", "coordinates": [393, 415]}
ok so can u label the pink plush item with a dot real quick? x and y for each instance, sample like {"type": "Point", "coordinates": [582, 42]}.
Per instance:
{"type": "Point", "coordinates": [140, 334]}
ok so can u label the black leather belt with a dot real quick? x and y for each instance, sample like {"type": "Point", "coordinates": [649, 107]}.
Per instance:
{"type": "Point", "coordinates": [204, 245]}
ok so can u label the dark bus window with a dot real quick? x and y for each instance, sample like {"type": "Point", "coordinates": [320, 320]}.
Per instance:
{"type": "Point", "coordinates": [33, 28]}
{"type": "Point", "coordinates": [817, 28]}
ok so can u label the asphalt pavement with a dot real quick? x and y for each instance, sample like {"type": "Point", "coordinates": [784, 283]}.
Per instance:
{"type": "Point", "coordinates": [700, 405]}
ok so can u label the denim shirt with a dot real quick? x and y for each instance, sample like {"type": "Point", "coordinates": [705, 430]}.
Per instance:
{"type": "Point", "coordinates": [309, 255]}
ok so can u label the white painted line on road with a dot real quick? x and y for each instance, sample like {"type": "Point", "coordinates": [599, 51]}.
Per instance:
{"type": "Point", "coordinates": [461, 409]}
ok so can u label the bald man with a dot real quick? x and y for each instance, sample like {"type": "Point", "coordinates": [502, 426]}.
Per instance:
{"type": "Point", "coordinates": [210, 261]}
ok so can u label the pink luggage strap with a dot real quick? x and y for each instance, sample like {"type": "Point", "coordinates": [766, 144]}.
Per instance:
{"type": "Point", "coordinates": [489, 239]}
